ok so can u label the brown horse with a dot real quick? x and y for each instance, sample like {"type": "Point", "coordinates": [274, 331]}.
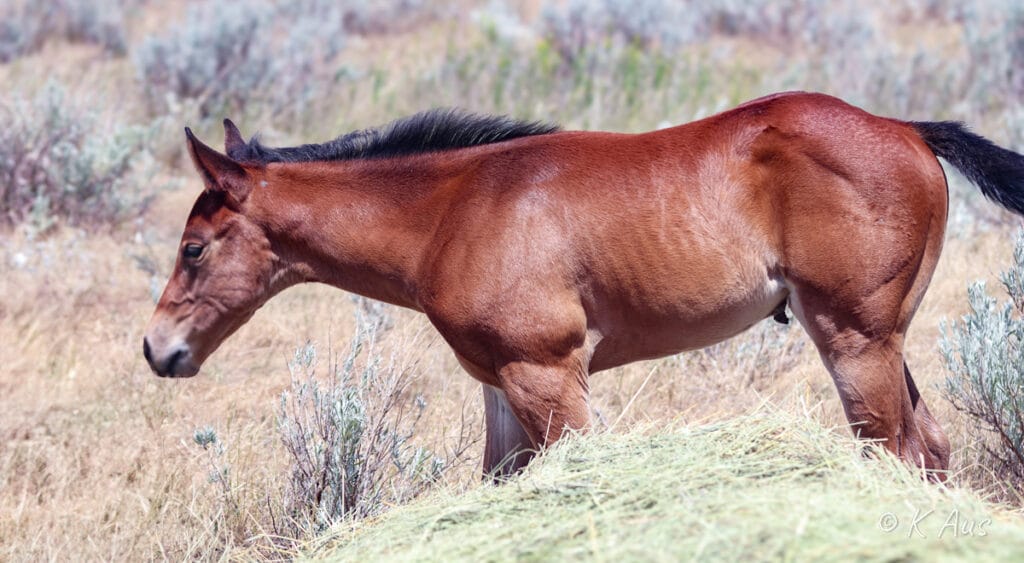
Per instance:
{"type": "Point", "coordinates": [543, 256]}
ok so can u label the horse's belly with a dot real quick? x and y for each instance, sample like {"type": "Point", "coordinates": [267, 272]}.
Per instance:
{"type": "Point", "coordinates": [701, 268]}
{"type": "Point", "coordinates": [648, 327]}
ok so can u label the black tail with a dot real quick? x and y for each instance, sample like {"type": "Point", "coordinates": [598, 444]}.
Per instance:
{"type": "Point", "coordinates": [997, 171]}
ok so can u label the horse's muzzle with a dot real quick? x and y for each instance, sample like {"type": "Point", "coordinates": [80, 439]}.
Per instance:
{"type": "Point", "coordinates": [176, 361]}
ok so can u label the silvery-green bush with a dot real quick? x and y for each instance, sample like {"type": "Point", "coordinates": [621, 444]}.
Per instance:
{"type": "Point", "coordinates": [580, 25]}
{"type": "Point", "coordinates": [26, 26]}
{"type": "Point", "coordinates": [984, 353]}
{"type": "Point", "coordinates": [227, 56]}
{"type": "Point", "coordinates": [59, 163]}
{"type": "Point", "coordinates": [994, 36]}
{"type": "Point", "coordinates": [348, 433]}
{"type": "Point", "coordinates": [617, 63]}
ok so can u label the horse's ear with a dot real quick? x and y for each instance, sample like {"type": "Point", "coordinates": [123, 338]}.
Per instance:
{"type": "Point", "coordinates": [218, 171]}
{"type": "Point", "coordinates": [233, 140]}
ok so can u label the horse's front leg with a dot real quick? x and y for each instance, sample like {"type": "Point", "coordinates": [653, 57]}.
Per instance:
{"type": "Point", "coordinates": [548, 398]}
{"type": "Point", "coordinates": [530, 406]}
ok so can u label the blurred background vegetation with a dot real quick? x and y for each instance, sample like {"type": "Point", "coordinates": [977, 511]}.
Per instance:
{"type": "Point", "coordinates": [99, 459]}
{"type": "Point", "coordinates": [312, 69]}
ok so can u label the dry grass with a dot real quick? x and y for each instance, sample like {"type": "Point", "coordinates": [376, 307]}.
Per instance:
{"type": "Point", "coordinates": [96, 456]}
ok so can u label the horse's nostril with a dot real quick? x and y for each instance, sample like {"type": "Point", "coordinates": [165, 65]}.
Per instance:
{"type": "Point", "coordinates": [173, 360]}
{"type": "Point", "coordinates": [146, 351]}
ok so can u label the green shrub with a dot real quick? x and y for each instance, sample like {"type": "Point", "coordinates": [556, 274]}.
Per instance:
{"type": "Point", "coordinates": [985, 355]}
{"type": "Point", "coordinates": [994, 37]}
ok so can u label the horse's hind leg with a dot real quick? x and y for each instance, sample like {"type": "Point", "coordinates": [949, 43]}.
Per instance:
{"type": "Point", "coordinates": [858, 319]}
{"type": "Point", "coordinates": [934, 437]}
{"type": "Point", "coordinates": [870, 378]}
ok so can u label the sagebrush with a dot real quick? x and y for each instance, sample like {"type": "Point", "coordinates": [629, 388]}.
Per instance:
{"type": "Point", "coordinates": [26, 26]}
{"type": "Point", "coordinates": [227, 56]}
{"type": "Point", "coordinates": [349, 433]}
{"type": "Point", "coordinates": [58, 163]}
{"type": "Point", "coordinates": [984, 353]}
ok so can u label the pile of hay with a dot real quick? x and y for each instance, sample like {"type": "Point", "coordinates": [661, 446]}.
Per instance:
{"type": "Point", "coordinates": [766, 486]}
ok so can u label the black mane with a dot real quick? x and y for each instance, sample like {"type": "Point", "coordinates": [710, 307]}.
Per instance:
{"type": "Point", "coordinates": [429, 131]}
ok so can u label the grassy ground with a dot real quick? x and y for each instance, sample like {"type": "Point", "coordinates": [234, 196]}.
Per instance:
{"type": "Point", "coordinates": [767, 486]}
{"type": "Point", "coordinates": [96, 456]}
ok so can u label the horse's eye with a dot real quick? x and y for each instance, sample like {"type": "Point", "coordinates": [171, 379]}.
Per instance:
{"type": "Point", "coordinates": [192, 250]}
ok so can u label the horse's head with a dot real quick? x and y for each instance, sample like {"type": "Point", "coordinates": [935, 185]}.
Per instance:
{"type": "Point", "coordinates": [225, 266]}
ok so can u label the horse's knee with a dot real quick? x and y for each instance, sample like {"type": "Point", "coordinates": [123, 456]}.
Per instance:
{"type": "Point", "coordinates": [547, 400]}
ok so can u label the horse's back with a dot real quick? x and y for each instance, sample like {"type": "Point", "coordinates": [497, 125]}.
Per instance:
{"type": "Point", "coordinates": [675, 239]}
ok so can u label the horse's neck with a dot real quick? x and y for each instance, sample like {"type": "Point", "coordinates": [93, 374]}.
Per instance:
{"type": "Point", "coordinates": [355, 227]}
